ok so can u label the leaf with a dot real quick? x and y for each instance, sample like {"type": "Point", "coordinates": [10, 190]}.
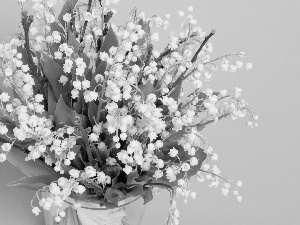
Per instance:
{"type": "Point", "coordinates": [63, 112]}
{"type": "Point", "coordinates": [134, 178]}
{"type": "Point", "coordinates": [202, 97]}
{"type": "Point", "coordinates": [164, 182]}
{"type": "Point", "coordinates": [8, 122]}
{"type": "Point", "coordinates": [146, 28]}
{"type": "Point", "coordinates": [89, 75]}
{"type": "Point", "coordinates": [78, 105]}
{"type": "Point", "coordinates": [73, 42]}
{"type": "Point", "coordinates": [175, 94]}
{"type": "Point", "coordinates": [120, 186]}
{"type": "Point", "coordinates": [31, 168]}
{"type": "Point", "coordinates": [135, 190]}
{"type": "Point", "coordinates": [53, 72]}
{"type": "Point", "coordinates": [142, 179]}
{"type": "Point", "coordinates": [77, 161]}
{"type": "Point", "coordinates": [57, 27]}
{"type": "Point", "coordinates": [101, 156]}
{"type": "Point", "coordinates": [93, 191]}
{"type": "Point", "coordinates": [51, 102]}
{"type": "Point", "coordinates": [24, 58]}
{"type": "Point", "coordinates": [174, 136]}
{"type": "Point", "coordinates": [201, 156]}
{"type": "Point", "coordinates": [169, 145]}
{"type": "Point", "coordinates": [87, 61]}
{"type": "Point", "coordinates": [113, 196]}
{"type": "Point", "coordinates": [65, 115]}
{"type": "Point", "coordinates": [109, 41]}
{"type": "Point", "coordinates": [67, 7]}
{"type": "Point", "coordinates": [92, 112]}
{"type": "Point", "coordinates": [147, 89]}
{"type": "Point", "coordinates": [55, 46]}
{"type": "Point", "coordinates": [131, 177]}
{"type": "Point", "coordinates": [99, 70]}
{"type": "Point", "coordinates": [84, 120]}
{"type": "Point", "coordinates": [36, 182]}
{"type": "Point", "coordinates": [184, 156]}
{"type": "Point", "coordinates": [70, 218]}
{"type": "Point", "coordinates": [147, 195]}
{"type": "Point", "coordinates": [112, 171]}
{"type": "Point", "coordinates": [109, 205]}
{"type": "Point", "coordinates": [26, 143]}
{"type": "Point", "coordinates": [166, 149]}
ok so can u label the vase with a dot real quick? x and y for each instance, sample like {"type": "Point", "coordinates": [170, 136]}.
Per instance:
{"type": "Point", "coordinates": [92, 214]}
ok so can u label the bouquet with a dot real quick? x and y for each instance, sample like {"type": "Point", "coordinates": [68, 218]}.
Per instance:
{"type": "Point", "coordinates": [95, 113]}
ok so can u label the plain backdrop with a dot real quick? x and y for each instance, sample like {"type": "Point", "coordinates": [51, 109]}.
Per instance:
{"type": "Point", "coordinates": [266, 159]}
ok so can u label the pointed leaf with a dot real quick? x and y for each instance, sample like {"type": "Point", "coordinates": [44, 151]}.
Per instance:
{"type": "Point", "coordinates": [135, 190]}
{"type": "Point", "coordinates": [175, 136]}
{"type": "Point", "coordinates": [55, 46]}
{"type": "Point", "coordinates": [67, 7]}
{"type": "Point", "coordinates": [73, 42]}
{"type": "Point", "coordinates": [77, 106]}
{"type": "Point", "coordinates": [24, 58]}
{"type": "Point", "coordinates": [11, 92]}
{"type": "Point", "coordinates": [168, 145]}
{"type": "Point", "coordinates": [8, 122]}
{"type": "Point", "coordinates": [31, 168]}
{"type": "Point", "coordinates": [84, 120]}
{"type": "Point", "coordinates": [146, 28]}
{"type": "Point", "coordinates": [51, 101]}
{"type": "Point", "coordinates": [63, 113]}
{"type": "Point", "coordinates": [201, 156]}
{"type": "Point", "coordinates": [147, 89]}
{"type": "Point", "coordinates": [120, 186]}
{"type": "Point", "coordinates": [53, 72]}
{"type": "Point", "coordinates": [77, 161]}
{"type": "Point", "coordinates": [109, 205]}
{"type": "Point", "coordinates": [36, 182]}
{"type": "Point", "coordinates": [109, 41]}
{"type": "Point", "coordinates": [87, 61]}
{"type": "Point", "coordinates": [175, 94]}
{"type": "Point", "coordinates": [112, 171]}
{"type": "Point", "coordinates": [131, 177]}
{"type": "Point", "coordinates": [92, 112]}
{"type": "Point", "coordinates": [147, 196]}
{"type": "Point", "coordinates": [113, 195]}
{"type": "Point", "coordinates": [99, 70]}
{"type": "Point", "coordinates": [70, 218]}
{"type": "Point", "coordinates": [102, 156]}
{"type": "Point", "coordinates": [202, 97]}
{"type": "Point", "coordinates": [142, 179]}
{"type": "Point", "coordinates": [56, 27]}
{"type": "Point", "coordinates": [89, 75]}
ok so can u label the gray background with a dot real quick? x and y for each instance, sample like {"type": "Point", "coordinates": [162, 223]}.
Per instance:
{"type": "Point", "coordinates": [266, 159]}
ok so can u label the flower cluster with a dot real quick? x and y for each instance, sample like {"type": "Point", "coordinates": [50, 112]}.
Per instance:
{"type": "Point", "coordinates": [105, 111]}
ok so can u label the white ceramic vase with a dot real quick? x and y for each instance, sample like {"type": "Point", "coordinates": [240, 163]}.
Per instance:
{"type": "Point", "coordinates": [131, 214]}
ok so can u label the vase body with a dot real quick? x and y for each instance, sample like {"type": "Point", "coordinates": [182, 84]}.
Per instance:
{"type": "Point", "coordinates": [131, 214]}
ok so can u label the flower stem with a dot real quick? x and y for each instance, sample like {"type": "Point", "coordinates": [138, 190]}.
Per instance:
{"type": "Point", "coordinates": [182, 77]}
{"type": "Point", "coordinates": [85, 22]}
{"type": "Point", "coordinates": [26, 23]}
{"type": "Point", "coordinates": [200, 125]}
